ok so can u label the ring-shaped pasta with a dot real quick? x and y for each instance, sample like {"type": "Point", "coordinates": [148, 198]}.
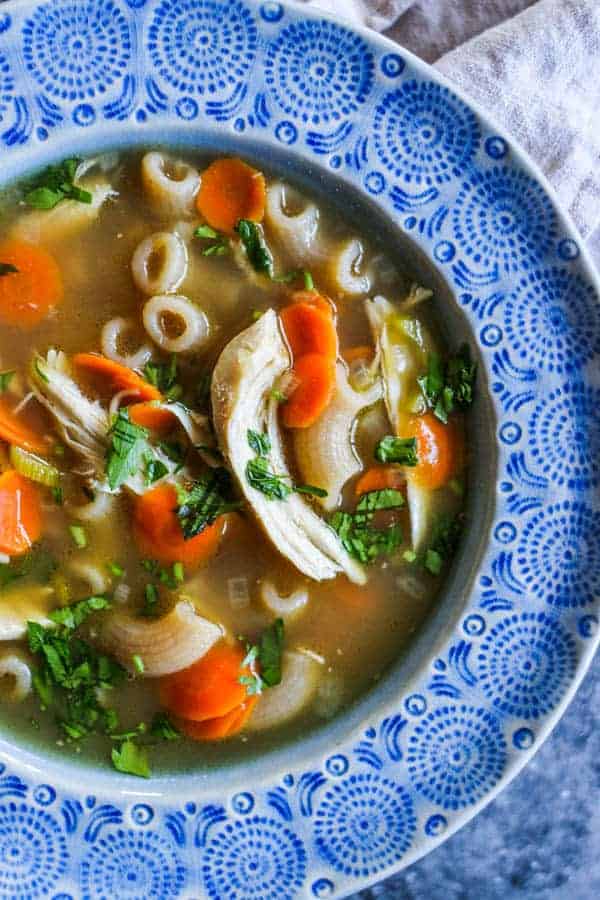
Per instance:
{"type": "Point", "coordinates": [191, 323]}
{"type": "Point", "coordinates": [112, 339]}
{"type": "Point", "coordinates": [160, 263]}
{"type": "Point", "coordinates": [17, 671]}
{"type": "Point", "coordinates": [345, 269]}
{"type": "Point", "coordinates": [170, 184]}
{"type": "Point", "coordinates": [297, 233]}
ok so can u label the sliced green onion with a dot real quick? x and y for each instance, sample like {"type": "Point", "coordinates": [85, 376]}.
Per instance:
{"type": "Point", "coordinates": [309, 283]}
{"type": "Point", "coordinates": [34, 467]}
{"type": "Point", "coordinates": [79, 536]}
{"type": "Point", "coordinates": [138, 663]}
{"type": "Point", "coordinates": [115, 569]}
{"type": "Point", "coordinates": [178, 572]}
{"type": "Point", "coordinates": [409, 556]}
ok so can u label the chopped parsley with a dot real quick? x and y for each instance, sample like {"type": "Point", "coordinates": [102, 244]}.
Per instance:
{"type": "Point", "coordinates": [128, 449]}
{"type": "Point", "coordinates": [264, 660]}
{"type": "Point", "coordinates": [164, 377]}
{"type": "Point", "coordinates": [397, 450]}
{"type": "Point", "coordinates": [54, 184]}
{"type": "Point", "coordinates": [258, 253]}
{"type": "Point", "coordinates": [162, 727]}
{"type": "Point", "coordinates": [8, 269]}
{"type": "Point", "coordinates": [138, 663]}
{"type": "Point", "coordinates": [207, 499]}
{"type": "Point", "coordinates": [261, 478]}
{"type": "Point", "coordinates": [57, 495]}
{"type": "Point", "coordinates": [155, 470]}
{"type": "Point", "coordinates": [260, 443]}
{"type": "Point", "coordinates": [150, 601]}
{"type": "Point", "coordinates": [71, 617]}
{"type": "Point", "coordinates": [357, 531]}
{"type": "Point", "coordinates": [219, 244]}
{"type": "Point", "coordinates": [5, 380]}
{"type": "Point", "coordinates": [115, 569]}
{"type": "Point", "coordinates": [131, 759]}
{"type": "Point", "coordinates": [79, 536]}
{"type": "Point", "coordinates": [449, 387]}
{"type": "Point", "coordinates": [444, 542]}
{"type": "Point", "coordinates": [175, 451]}
{"type": "Point", "coordinates": [311, 490]}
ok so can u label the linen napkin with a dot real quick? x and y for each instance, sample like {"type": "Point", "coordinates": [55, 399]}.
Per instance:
{"type": "Point", "coordinates": [537, 73]}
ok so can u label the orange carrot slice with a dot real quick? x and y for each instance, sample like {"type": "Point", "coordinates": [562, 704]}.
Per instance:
{"type": "Point", "coordinates": [231, 190]}
{"type": "Point", "coordinates": [20, 514]}
{"type": "Point", "coordinates": [438, 450]}
{"type": "Point", "coordinates": [379, 478]}
{"type": "Point", "coordinates": [28, 295]}
{"type": "Point", "coordinates": [220, 728]}
{"type": "Point", "coordinates": [315, 299]}
{"type": "Point", "coordinates": [119, 377]}
{"type": "Point", "coordinates": [314, 376]}
{"type": "Point", "coordinates": [158, 535]}
{"type": "Point", "coordinates": [13, 430]}
{"type": "Point", "coordinates": [154, 418]}
{"type": "Point", "coordinates": [309, 329]}
{"type": "Point", "coordinates": [208, 689]}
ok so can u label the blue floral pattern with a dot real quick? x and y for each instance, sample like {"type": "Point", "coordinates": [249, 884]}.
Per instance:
{"type": "Point", "coordinates": [319, 72]}
{"type": "Point", "coordinates": [424, 134]}
{"type": "Point", "coordinates": [246, 74]}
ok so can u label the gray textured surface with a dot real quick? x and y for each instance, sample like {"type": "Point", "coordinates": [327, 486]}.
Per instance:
{"type": "Point", "coordinates": [539, 839]}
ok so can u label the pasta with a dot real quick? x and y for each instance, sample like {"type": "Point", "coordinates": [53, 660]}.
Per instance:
{"type": "Point", "coordinates": [174, 323]}
{"type": "Point", "coordinates": [160, 263]}
{"type": "Point", "coordinates": [113, 339]}
{"type": "Point", "coordinates": [170, 184]}
{"type": "Point", "coordinates": [346, 269]}
{"type": "Point", "coordinates": [297, 232]}
{"type": "Point", "coordinates": [15, 677]}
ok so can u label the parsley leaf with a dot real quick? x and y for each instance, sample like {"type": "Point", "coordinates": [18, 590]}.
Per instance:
{"type": "Point", "coordinates": [5, 380]}
{"type": "Point", "coordinates": [162, 727]}
{"type": "Point", "coordinates": [71, 617]}
{"type": "Point", "coordinates": [219, 245]}
{"type": "Point", "coordinates": [260, 477]}
{"type": "Point", "coordinates": [54, 184]}
{"type": "Point", "coordinates": [397, 450]}
{"type": "Point", "coordinates": [131, 759]}
{"type": "Point", "coordinates": [357, 532]}
{"type": "Point", "coordinates": [264, 660]}
{"type": "Point", "coordinates": [8, 269]}
{"type": "Point", "coordinates": [128, 448]}
{"type": "Point", "coordinates": [260, 443]}
{"type": "Point", "coordinates": [444, 542]}
{"type": "Point", "coordinates": [164, 377]}
{"type": "Point", "coordinates": [310, 489]}
{"type": "Point", "coordinates": [258, 253]}
{"type": "Point", "coordinates": [449, 387]}
{"type": "Point", "coordinates": [208, 498]}
{"type": "Point", "coordinates": [155, 470]}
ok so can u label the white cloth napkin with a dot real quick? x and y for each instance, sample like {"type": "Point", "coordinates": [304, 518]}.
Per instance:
{"type": "Point", "coordinates": [537, 73]}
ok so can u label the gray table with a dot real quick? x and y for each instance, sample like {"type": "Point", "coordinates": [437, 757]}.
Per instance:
{"type": "Point", "coordinates": [539, 839]}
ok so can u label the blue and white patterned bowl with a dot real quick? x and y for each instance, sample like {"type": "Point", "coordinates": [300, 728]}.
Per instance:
{"type": "Point", "coordinates": [495, 667]}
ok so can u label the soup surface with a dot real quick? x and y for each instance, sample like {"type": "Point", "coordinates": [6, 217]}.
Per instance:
{"type": "Point", "coordinates": [232, 457]}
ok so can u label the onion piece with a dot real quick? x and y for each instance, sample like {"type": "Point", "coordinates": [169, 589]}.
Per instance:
{"type": "Point", "coordinates": [164, 645]}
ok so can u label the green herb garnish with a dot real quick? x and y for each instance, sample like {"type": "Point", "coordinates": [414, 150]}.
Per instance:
{"type": "Point", "coordinates": [155, 470]}
{"type": "Point", "coordinates": [131, 759]}
{"type": "Point", "coordinates": [397, 450]}
{"type": "Point", "coordinates": [5, 380]}
{"type": "Point", "coordinates": [358, 533]}
{"type": "Point", "coordinates": [444, 541]}
{"type": "Point", "coordinates": [127, 451]}
{"type": "Point", "coordinates": [219, 245]}
{"type": "Point", "coordinates": [138, 663]}
{"type": "Point", "coordinates": [260, 477]}
{"type": "Point", "coordinates": [164, 377]}
{"type": "Point", "coordinates": [266, 655]}
{"type": "Point", "coordinates": [79, 536]}
{"type": "Point", "coordinates": [39, 565]}
{"type": "Point", "coordinates": [150, 600]}
{"type": "Point", "coordinates": [162, 727]}
{"type": "Point", "coordinates": [260, 443]}
{"type": "Point", "coordinates": [115, 569]}
{"type": "Point", "coordinates": [8, 269]}
{"type": "Point", "coordinates": [310, 489]}
{"type": "Point", "coordinates": [207, 499]}
{"type": "Point", "coordinates": [175, 451]}
{"type": "Point", "coordinates": [450, 387]}
{"type": "Point", "coordinates": [54, 184]}
{"type": "Point", "coordinates": [258, 253]}
{"type": "Point", "coordinates": [57, 495]}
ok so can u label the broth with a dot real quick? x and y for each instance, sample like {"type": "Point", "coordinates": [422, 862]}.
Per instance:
{"type": "Point", "coordinates": [350, 632]}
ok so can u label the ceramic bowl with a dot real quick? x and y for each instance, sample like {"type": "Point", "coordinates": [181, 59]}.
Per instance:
{"type": "Point", "coordinates": [383, 136]}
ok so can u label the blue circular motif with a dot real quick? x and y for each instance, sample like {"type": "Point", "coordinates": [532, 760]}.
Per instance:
{"type": "Point", "coordinates": [186, 108]}
{"type": "Point", "coordinates": [375, 183]}
{"type": "Point", "coordinates": [254, 859]}
{"type": "Point", "coordinates": [565, 436]}
{"type": "Point", "coordinates": [567, 249]}
{"type": "Point", "coordinates": [202, 47]}
{"type": "Point", "coordinates": [415, 705]}
{"type": "Point", "coordinates": [142, 814]}
{"type": "Point", "coordinates": [558, 559]}
{"type": "Point", "coordinates": [502, 217]}
{"type": "Point", "coordinates": [77, 50]}
{"type": "Point", "coordinates": [132, 865]}
{"type": "Point", "coordinates": [243, 803]}
{"type": "Point", "coordinates": [33, 852]}
{"type": "Point", "coordinates": [337, 765]}
{"type": "Point", "coordinates": [424, 134]}
{"type": "Point", "coordinates": [444, 251]}
{"type": "Point", "coordinates": [5, 22]}
{"type": "Point", "coordinates": [319, 72]}
{"type": "Point", "coordinates": [436, 825]}
{"type": "Point", "coordinates": [496, 147]}
{"type": "Point", "coordinates": [323, 887]}
{"type": "Point", "coordinates": [271, 12]}
{"type": "Point", "coordinates": [525, 664]}
{"type": "Point", "coordinates": [587, 626]}
{"type": "Point", "coordinates": [491, 335]}
{"type": "Point", "coordinates": [7, 84]}
{"type": "Point", "coordinates": [523, 738]}
{"type": "Point", "coordinates": [474, 625]}
{"type": "Point", "coordinates": [456, 755]}
{"type": "Point", "coordinates": [552, 321]}
{"type": "Point", "coordinates": [392, 65]}
{"type": "Point", "coordinates": [44, 794]}
{"type": "Point", "coordinates": [364, 824]}
{"type": "Point", "coordinates": [505, 532]}
{"type": "Point", "coordinates": [510, 433]}
{"type": "Point", "coordinates": [84, 114]}
{"type": "Point", "coordinates": [287, 133]}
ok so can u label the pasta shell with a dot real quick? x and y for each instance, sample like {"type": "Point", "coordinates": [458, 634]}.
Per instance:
{"type": "Point", "coordinates": [299, 681]}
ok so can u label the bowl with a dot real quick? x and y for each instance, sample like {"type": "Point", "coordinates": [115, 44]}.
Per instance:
{"type": "Point", "coordinates": [382, 135]}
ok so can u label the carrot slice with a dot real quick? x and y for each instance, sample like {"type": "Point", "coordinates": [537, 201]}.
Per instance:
{"type": "Point", "coordinates": [120, 377]}
{"type": "Point", "coordinates": [438, 450]}
{"type": "Point", "coordinates": [158, 535]}
{"type": "Point", "coordinates": [208, 689]}
{"type": "Point", "coordinates": [231, 190]}
{"type": "Point", "coordinates": [355, 354]}
{"type": "Point", "coordinates": [154, 418]}
{"type": "Point", "coordinates": [314, 376]}
{"type": "Point", "coordinates": [20, 514]}
{"type": "Point", "coordinates": [378, 478]}
{"type": "Point", "coordinates": [315, 299]}
{"type": "Point", "coordinates": [309, 329]}
{"type": "Point", "coordinates": [222, 727]}
{"type": "Point", "coordinates": [13, 430]}
{"type": "Point", "coordinates": [30, 293]}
